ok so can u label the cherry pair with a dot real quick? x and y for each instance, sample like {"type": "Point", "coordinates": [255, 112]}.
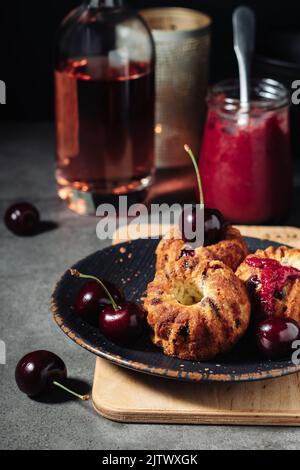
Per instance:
{"type": "Point", "coordinates": [97, 301]}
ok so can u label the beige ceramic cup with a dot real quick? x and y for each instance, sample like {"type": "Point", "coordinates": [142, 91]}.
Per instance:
{"type": "Point", "coordinates": [182, 39]}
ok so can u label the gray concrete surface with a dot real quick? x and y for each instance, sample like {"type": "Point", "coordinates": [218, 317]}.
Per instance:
{"type": "Point", "coordinates": [29, 270]}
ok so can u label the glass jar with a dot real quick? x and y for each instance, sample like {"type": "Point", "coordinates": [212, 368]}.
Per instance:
{"type": "Point", "coordinates": [104, 78]}
{"type": "Point", "coordinates": [245, 160]}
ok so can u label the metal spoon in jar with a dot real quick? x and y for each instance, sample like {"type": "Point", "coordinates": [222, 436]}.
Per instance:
{"type": "Point", "coordinates": [243, 21]}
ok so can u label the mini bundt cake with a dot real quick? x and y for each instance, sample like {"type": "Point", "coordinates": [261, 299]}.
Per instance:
{"type": "Point", "coordinates": [272, 277]}
{"type": "Point", "coordinates": [200, 311]}
{"type": "Point", "coordinates": [232, 250]}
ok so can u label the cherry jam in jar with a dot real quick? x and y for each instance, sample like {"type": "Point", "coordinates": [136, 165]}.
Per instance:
{"type": "Point", "coordinates": [245, 160]}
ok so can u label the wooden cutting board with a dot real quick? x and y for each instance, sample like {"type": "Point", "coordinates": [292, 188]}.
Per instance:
{"type": "Point", "coordinates": [127, 396]}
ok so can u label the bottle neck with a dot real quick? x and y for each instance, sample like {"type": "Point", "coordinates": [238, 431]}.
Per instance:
{"type": "Point", "coordinates": [105, 3]}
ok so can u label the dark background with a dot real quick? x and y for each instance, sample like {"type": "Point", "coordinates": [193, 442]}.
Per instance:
{"type": "Point", "coordinates": [27, 30]}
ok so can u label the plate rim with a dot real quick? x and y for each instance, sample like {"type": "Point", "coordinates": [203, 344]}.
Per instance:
{"type": "Point", "coordinates": [157, 371]}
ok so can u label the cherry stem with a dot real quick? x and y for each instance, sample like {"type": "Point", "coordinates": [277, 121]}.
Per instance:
{"type": "Point", "coordinates": [76, 273]}
{"type": "Point", "coordinates": [82, 397]}
{"type": "Point", "coordinates": [192, 157]}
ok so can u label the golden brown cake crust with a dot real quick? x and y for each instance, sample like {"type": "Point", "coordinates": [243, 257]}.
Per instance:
{"type": "Point", "coordinates": [231, 251]}
{"type": "Point", "coordinates": [289, 304]}
{"type": "Point", "coordinates": [214, 315]}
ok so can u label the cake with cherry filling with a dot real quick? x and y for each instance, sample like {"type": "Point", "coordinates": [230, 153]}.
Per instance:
{"type": "Point", "coordinates": [272, 277]}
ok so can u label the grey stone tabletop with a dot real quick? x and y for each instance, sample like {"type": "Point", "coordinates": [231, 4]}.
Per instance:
{"type": "Point", "coordinates": [29, 269]}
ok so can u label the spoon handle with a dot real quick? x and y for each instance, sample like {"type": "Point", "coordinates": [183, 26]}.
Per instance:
{"type": "Point", "coordinates": [243, 36]}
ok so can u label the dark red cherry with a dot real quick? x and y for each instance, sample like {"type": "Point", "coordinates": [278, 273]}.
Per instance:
{"type": "Point", "coordinates": [36, 371]}
{"type": "Point", "coordinates": [123, 325]}
{"type": "Point", "coordinates": [22, 219]}
{"type": "Point", "coordinates": [92, 296]}
{"type": "Point", "coordinates": [192, 218]}
{"type": "Point", "coordinates": [120, 322]}
{"type": "Point", "coordinates": [40, 371]}
{"type": "Point", "coordinates": [275, 337]}
{"type": "Point", "coordinates": [214, 224]}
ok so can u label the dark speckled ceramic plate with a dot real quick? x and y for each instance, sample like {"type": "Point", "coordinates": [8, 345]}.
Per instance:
{"type": "Point", "coordinates": [131, 266]}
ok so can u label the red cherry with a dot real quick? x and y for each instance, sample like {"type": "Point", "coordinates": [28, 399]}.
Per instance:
{"type": "Point", "coordinates": [190, 223]}
{"type": "Point", "coordinates": [123, 325]}
{"type": "Point", "coordinates": [119, 321]}
{"type": "Point", "coordinates": [39, 371]}
{"type": "Point", "coordinates": [92, 296]}
{"type": "Point", "coordinates": [214, 225]}
{"type": "Point", "coordinates": [22, 219]}
{"type": "Point", "coordinates": [275, 337]}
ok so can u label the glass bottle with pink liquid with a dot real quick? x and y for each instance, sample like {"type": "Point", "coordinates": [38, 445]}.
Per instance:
{"type": "Point", "coordinates": [105, 102]}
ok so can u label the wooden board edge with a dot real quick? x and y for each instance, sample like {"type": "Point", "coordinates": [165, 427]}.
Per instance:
{"type": "Point", "coordinates": [112, 412]}
{"type": "Point", "coordinates": [212, 418]}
